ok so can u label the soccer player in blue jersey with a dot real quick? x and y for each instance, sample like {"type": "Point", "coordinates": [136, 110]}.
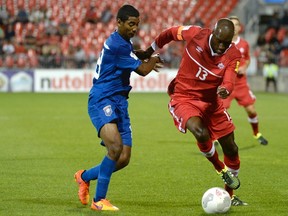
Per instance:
{"type": "Point", "coordinates": [108, 105]}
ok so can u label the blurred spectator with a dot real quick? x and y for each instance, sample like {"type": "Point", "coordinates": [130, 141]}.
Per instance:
{"type": "Point", "coordinates": [80, 57]}
{"type": "Point", "coordinates": [283, 58]}
{"type": "Point", "coordinates": [50, 51]}
{"type": "Point", "coordinates": [262, 52]}
{"type": "Point", "coordinates": [195, 20]}
{"type": "Point", "coordinates": [63, 27]}
{"type": "Point", "coordinates": [8, 48]}
{"type": "Point", "coordinates": [40, 14]}
{"type": "Point", "coordinates": [284, 44]}
{"type": "Point", "coordinates": [9, 61]}
{"type": "Point", "coordinates": [51, 26]}
{"type": "Point", "coordinates": [21, 61]}
{"type": "Point", "coordinates": [4, 16]}
{"type": "Point", "coordinates": [22, 15]}
{"type": "Point", "coordinates": [92, 58]}
{"type": "Point", "coordinates": [284, 19]}
{"type": "Point", "coordinates": [145, 25]}
{"type": "Point", "coordinates": [2, 33]}
{"type": "Point", "coordinates": [51, 45]}
{"type": "Point", "coordinates": [106, 15]}
{"type": "Point", "coordinates": [198, 21]}
{"type": "Point", "coordinates": [35, 15]}
{"type": "Point", "coordinates": [166, 55]}
{"type": "Point", "coordinates": [270, 72]}
{"type": "Point", "coordinates": [1, 49]}
{"type": "Point", "coordinates": [19, 46]}
{"type": "Point", "coordinates": [176, 55]}
{"type": "Point", "coordinates": [41, 36]}
{"type": "Point", "coordinates": [275, 21]}
{"type": "Point", "coordinates": [56, 58]}
{"type": "Point", "coordinates": [261, 40]}
{"type": "Point", "coordinates": [274, 45]}
{"type": "Point", "coordinates": [68, 56]}
{"type": "Point", "coordinates": [32, 58]}
{"type": "Point", "coordinates": [90, 55]}
{"type": "Point", "coordinates": [50, 58]}
{"type": "Point", "coordinates": [30, 40]}
{"type": "Point", "coordinates": [172, 55]}
{"type": "Point", "coordinates": [91, 15]}
{"type": "Point", "coordinates": [9, 32]}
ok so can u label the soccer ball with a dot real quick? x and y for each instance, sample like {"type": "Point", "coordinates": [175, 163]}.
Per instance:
{"type": "Point", "coordinates": [216, 200]}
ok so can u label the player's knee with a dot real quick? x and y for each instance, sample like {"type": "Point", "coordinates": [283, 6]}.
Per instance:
{"type": "Point", "coordinates": [201, 134]}
{"type": "Point", "coordinates": [196, 127]}
{"type": "Point", "coordinates": [230, 150]}
{"type": "Point", "coordinates": [114, 151]}
{"type": "Point", "coordinates": [123, 161]}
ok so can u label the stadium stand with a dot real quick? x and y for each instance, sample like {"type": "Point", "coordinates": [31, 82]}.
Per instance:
{"type": "Point", "coordinates": [63, 29]}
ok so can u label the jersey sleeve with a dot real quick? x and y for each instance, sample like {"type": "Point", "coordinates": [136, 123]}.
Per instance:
{"type": "Point", "coordinates": [230, 75]}
{"type": "Point", "coordinates": [126, 59]}
{"type": "Point", "coordinates": [246, 52]}
{"type": "Point", "coordinates": [176, 33]}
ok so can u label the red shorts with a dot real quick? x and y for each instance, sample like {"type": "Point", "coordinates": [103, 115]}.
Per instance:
{"type": "Point", "coordinates": [214, 115]}
{"type": "Point", "coordinates": [243, 95]}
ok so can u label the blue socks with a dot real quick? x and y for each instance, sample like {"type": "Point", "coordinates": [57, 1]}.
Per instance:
{"type": "Point", "coordinates": [91, 174]}
{"type": "Point", "coordinates": [106, 169]}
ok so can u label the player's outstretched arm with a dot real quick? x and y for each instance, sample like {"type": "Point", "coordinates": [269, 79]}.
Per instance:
{"type": "Point", "coordinates": [141, 54]}
{"type": "Point", "coordinates": [153, 63]}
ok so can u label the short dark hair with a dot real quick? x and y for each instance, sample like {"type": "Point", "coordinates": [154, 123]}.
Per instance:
{"type": "Point", "coordinates": [127, 11]}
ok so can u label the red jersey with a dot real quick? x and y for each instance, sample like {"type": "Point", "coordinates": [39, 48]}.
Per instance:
{"type": "Point", "coordinates": [242, 92]}
{"type": "Point", "coordinates": [243, 47]}
{"type": "Point", "coordinates": [201, 70]}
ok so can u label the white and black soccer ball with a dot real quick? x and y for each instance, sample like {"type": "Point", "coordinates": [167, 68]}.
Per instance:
{"type": "Point", "coordinates": [216, 200]}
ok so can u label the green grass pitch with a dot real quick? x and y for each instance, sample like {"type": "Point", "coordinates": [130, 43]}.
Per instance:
{"type": "Point", "coordinates": [46, 138]}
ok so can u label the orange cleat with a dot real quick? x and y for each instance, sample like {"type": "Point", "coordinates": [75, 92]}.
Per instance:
{"type": "Point", "coordinates": [103, 205]}
{"type": "Point", "coordinates": [83, 192]}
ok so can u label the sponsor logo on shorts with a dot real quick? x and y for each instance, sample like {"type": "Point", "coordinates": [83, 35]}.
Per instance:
{"type": "Point", "coordinates": [107, 110]}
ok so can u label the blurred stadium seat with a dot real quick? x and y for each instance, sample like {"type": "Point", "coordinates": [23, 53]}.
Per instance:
{"type": "Point", "coordinates": [270, 33]}
{"type": "Point", "coordinates": [281, 34]}
{"type": "Point", "coordinates": [283, 61]}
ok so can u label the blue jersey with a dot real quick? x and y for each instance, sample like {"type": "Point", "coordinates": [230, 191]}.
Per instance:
{"type": "Point", "coordinates": [114, 67]}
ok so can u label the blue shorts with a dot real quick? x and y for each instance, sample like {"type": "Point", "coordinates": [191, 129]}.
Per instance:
{"type": "Point", "coordinates": [111, 109]}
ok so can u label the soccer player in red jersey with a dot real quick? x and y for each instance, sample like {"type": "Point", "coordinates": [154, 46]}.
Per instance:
{"type": "Point", "coordinates": [206, 74]}
{"type": "Point", "coordinates": [242, 93]}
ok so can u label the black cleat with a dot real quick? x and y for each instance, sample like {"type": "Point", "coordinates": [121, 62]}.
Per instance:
{"type": "Point", "coordinates": [229, 179]}
{"type": "Point", "coordinates": [261, 139]}
{"type": "Point", "coordinates": [235, 201]}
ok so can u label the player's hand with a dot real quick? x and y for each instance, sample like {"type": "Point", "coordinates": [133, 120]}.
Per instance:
{"type": "Point", "coordinates": [160, 62]}
{"type": "Point", "coordinates": [157, 55]}
{"type": "Point", "coordinates": [241, 71]}
{"type": "Point", "coordinates": [158, 66]}
{"type": "Point", "coordinates": [222, 92]}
